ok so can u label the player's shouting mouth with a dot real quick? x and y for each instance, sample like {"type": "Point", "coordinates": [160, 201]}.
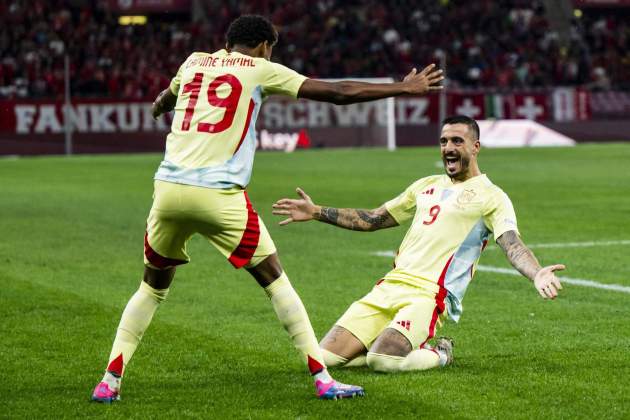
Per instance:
{"type": "Point", "coordinates": [456, 154]}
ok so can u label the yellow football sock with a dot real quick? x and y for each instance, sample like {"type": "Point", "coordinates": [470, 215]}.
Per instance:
{"type": "Point", "coordinates": [420, 359]}
{"type": "Point", "coordinates": [134, 321]}
{"type": "Point", "coordinates": [357, 361]}
{"type": "Point", "coordinates": [332, 359]}
{"type": "Point", "coordinates": [293, 316]}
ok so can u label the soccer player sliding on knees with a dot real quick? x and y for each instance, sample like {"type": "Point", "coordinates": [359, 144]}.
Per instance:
{"type": "Point", "coordinates": [453, 216]}
{"type": "Point", "coordinates": [200, 185]}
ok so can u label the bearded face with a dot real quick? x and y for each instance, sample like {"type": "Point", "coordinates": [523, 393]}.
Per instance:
{"type": "Point", "coordinates": [458, 148]}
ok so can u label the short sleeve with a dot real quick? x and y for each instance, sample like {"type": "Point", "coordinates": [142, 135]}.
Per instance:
{"type": "Point", "coordinates": [500, 217]}
{"type": "Point", "coordinates": [403, 207]}
{"type": "Point", "coordinates": [175, 81]}
{"type": "Point", "coordinates": [281, 80]}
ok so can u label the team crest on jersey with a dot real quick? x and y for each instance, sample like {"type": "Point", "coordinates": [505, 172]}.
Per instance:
{"type": "Point", "coordinates": [465, 197]}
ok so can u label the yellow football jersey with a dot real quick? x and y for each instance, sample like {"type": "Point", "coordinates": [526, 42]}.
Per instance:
{"type": "Point", "coordinates": [451, 225]}
{"type": "Point", "coordinates": [213, 140]}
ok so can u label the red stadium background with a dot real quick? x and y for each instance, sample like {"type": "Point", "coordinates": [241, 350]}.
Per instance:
{"type": "Point", "coordinates": [565, 64]}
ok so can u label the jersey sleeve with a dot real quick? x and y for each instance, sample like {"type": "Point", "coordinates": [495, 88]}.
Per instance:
{"type": "Point", "coordinates": [500, 217]}
{"type": "Point", "coordinates": [281, 80]}
{"type": "Point", "coordinates": [403, 207]}
{"type": "Point", "coordinates": [175, 81]}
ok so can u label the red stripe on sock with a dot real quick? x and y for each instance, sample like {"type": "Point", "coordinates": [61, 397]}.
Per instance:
{"type": "Point", "coordinates": [249, 242]}
{"type": "Point", "coordinates": [116, 365]}
{"type": "Point", "coordinates": [156, 259]}
{"type": "Point", "coordinates": [314, 366]}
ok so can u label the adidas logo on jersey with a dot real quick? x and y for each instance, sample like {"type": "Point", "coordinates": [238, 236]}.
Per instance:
{"type": "Point", "coordinates": [404, 324]}
{"type": "Point", "coordinates": [429, 191]}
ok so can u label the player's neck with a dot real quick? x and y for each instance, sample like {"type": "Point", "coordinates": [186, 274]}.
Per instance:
{"type": "Point", "coordinates": [252, 52]}
{"type": "Point", "coordinates": [473, 171]}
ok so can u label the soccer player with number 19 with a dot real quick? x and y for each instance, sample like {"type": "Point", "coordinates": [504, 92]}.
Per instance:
{"type": "Point", "coordinates": [200, 185]}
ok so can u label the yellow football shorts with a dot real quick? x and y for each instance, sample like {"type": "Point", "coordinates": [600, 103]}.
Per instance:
{"type": "Point", "coordinates": [410, 310]}
{"type": "Point", "coordinates": [224, 216]}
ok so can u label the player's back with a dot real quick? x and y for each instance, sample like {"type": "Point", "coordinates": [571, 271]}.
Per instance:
{"type": "Point", "coordinates": [212, 139]}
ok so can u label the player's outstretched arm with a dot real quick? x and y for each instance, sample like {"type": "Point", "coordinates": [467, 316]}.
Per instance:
{"type": "Point", "coordinates": [523, 259]}
{"type": "Point", "coordinates": [303, 209]}
{"type": "Point", "coordinates": [349, 92]}
{"type": "Point", "coordinates": [165, 102]}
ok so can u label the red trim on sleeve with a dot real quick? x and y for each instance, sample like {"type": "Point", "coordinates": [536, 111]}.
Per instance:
{"type": "Point", "coordinates": [156, 259]}
{"type": "Point", "coordinates": [248, 121]}
{"type": "Point", "coordinates": [249, 242]}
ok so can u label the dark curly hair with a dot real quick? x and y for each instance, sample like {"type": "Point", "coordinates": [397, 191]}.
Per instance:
{"type": "Point", "coordinates": [251, 30]}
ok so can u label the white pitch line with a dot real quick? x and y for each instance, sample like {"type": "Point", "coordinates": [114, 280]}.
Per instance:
{"type": "Point", "coordinates": [512, 272]}
{"type": "Point", "coordinates": [568, 280]}
{"type": "Point", "coordinates": [386, 254]}
{"type": "Point", "coordinates": [574, 244]}
{"type": "Point", "coordinates": [580, 244]}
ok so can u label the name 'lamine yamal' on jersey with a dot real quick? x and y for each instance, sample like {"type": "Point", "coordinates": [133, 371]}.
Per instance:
{"type": "Point", "coordinates": [451, 225]}
{"type": "Point", "coordinates": [213, 139]}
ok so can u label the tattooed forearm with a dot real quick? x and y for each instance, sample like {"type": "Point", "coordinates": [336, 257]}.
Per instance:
{"type": "Point", "coordinates": [521, 257]}
{"type": "Point", "coordinates": [375, 220]}
{"type": "Point", "coordinates": [356, 219]}
{"type": "Point", "coordinates": [329, 215]}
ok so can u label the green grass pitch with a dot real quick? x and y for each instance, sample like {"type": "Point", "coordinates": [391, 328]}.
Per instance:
{"type": "Point", "coordinates": [71, 236]}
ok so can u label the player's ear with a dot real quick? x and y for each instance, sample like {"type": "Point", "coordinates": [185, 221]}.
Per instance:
{"type": "Point", "coordinates": [267, 47]}
{"type": "Point", "coordinates": [476, 146]}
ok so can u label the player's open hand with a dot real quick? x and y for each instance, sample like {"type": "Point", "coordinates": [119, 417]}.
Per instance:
{"type": "Point", "coordinates": [299, 210]}
{"type": "Point", "coordinates": [427, 80]}
{"type": "Point", "coordinates": [546, 281]}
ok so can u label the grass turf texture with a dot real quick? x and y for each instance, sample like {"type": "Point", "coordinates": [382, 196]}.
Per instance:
{"type": "Point", "coordinates": [71, 256]}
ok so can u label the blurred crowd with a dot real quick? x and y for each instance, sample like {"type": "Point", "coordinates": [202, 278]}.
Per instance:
{"type": "Point", "coordinates": [606, 33]}
{"type": "Point", "coordinates": [499, 44]}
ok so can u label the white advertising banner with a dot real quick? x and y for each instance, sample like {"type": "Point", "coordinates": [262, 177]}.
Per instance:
{"type": "Point", "coordinates": [520, 133]}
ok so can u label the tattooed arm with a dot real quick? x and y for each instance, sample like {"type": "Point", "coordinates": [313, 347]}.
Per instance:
{"type": "Point", "coordinates": [518, 254]}
{"type": "Point", "coordinates": [304, 209]}
{"type": "Point", "coordinates": [355, 219]}
{"type": "Point", "coordinates": [523, 259]}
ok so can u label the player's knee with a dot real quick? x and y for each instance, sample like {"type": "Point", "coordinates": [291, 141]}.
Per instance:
{"type": "Point", "coordinates": [266, 271]}
{"type": "Point", "coordinates": [333, 360]}
{"type": "Point", "coordinates": [391, 342]}
{"type": "Point", "coordinates": [384, 363]}
{"type": "Point", "coordinates": [158, 279]}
